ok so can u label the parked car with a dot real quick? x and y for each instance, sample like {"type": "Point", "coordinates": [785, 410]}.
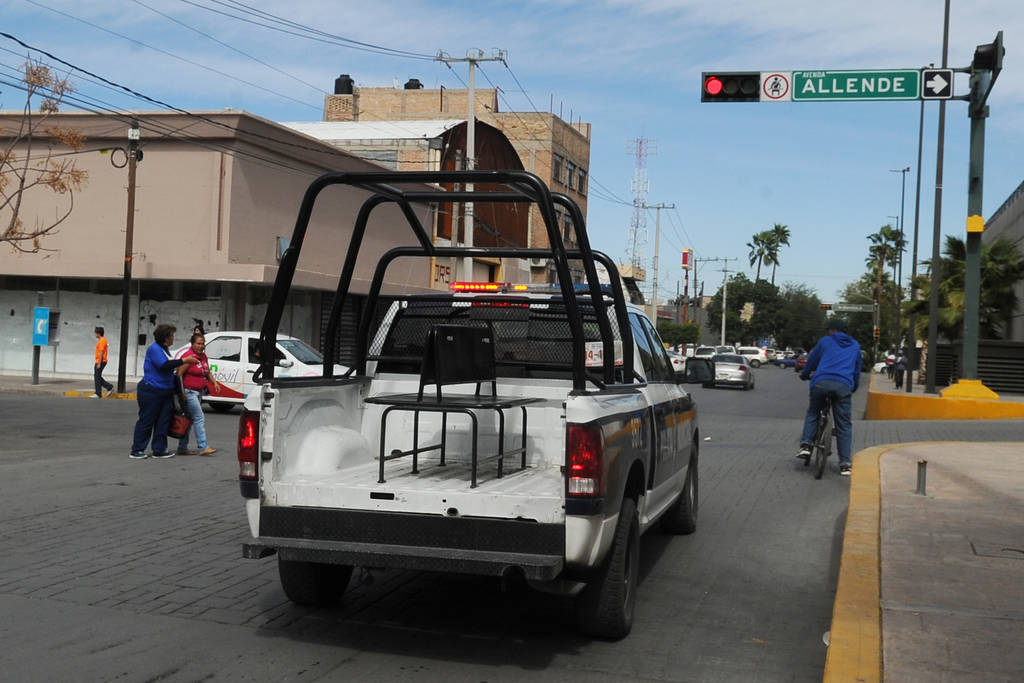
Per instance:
{"type": "Point", "coordinates": [785, 361]}
{"type": "Point", "coordinates": [234, 356]}
{"type": "Point", "coordinates": [771, 353]}
{"type": "Point", "coordinates": [678, 362]}
{"type": "Point", "coordinates": [727, 348]}
{"type": "Point", "coordinates": [733, 370]}
{"type": "Point", "coordinates": [754, 354]}
{"type": "Point", "coordinates": [704, 352]}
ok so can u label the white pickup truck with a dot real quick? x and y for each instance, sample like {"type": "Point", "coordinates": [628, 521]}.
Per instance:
{"type": "Point", "coordinates": [494, 429]}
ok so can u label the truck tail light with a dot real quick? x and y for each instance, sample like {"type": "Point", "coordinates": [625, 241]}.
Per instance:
{"type": "Point", "coordinates": [585, 460]}
{"type": "Point", "coordinates": [248, 445]}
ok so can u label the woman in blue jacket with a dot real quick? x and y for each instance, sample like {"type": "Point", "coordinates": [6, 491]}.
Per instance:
{"type": "Point", "coordinates": [155, 394]}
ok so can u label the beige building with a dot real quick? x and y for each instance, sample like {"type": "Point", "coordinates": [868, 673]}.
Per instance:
{"type": "Point", "coordinates": [1008, 222]}
{"type": "Point", "coordinates": [216, 199]}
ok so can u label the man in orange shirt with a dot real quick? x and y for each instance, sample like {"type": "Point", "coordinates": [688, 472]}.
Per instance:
{"type": "Point", "coordinates": [103, 387]}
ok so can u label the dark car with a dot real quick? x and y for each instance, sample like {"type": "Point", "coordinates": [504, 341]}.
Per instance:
{"type": "Point", "coordinates": [785, 362]}
{"type": "Point", "coordinates": [801, 361]}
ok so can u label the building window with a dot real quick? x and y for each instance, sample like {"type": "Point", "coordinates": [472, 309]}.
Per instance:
{"type": "Point", "coordinates": [556, 168]}
{"type": "Point", "coordinates": [567, 230]}
{"type": "Point", "coordinates": [581, 185]}
{"type": "Point", "coordinates": [570, 175]}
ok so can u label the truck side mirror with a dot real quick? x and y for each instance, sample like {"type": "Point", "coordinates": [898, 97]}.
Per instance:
{"type": "Point", "coordinates": [699, 371]}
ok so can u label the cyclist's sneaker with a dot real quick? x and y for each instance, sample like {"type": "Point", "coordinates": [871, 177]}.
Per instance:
{"type": "Point", "coordinates": [844, 469]}
{"type": "Point", "coordinates": [804, 452]}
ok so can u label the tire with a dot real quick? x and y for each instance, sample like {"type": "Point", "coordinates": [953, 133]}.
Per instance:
{"type": "Point", "coordinates": [822, 446]}
{"type": "Point", "coordinates": [606, 604]}
{"type": "Point", "coordinates": [220, 406]}
{"type": "Point", "coordinates": [681, 518]}
{"type": "Point", "coordinates": [755, 363]}
{"type": "Point", "coordinates": [312, 583]}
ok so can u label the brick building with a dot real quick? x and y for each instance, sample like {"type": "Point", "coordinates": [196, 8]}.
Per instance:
{"type": "Point", "coordinates": [555, 150]}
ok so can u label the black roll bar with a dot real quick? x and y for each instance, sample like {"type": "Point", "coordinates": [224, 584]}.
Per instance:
{"type": "Point", "coordinates": [520, 186]}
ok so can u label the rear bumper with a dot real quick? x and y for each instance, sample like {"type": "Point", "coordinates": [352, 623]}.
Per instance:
{"type": "Point", "coordinates": [463, 545]}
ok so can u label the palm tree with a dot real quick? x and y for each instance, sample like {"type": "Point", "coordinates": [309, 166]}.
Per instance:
{"type": "Point", "coordinates": [1002, 266]}
{"type": "Point", "coordinates": [883, 251]}
{"type": "Point", "coordinates": [779, 238]}
{"type": "Point", "coordinates": [758, 249]}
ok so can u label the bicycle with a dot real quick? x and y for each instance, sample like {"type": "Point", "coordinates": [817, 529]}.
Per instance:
{"type": "Point", "coordinates": [821, 447]}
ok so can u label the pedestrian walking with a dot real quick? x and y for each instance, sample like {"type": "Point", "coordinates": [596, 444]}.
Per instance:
{"type": "Point", "coordinates": [103, 387]}
{"type": "Point", "coordinates": [194, 378]}
{"type": "Point", "coordinates": [900, 369]}
{"type": "Point", "coordinates": [155, 395]}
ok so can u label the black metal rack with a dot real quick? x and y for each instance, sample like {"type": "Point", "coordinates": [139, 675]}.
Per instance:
{"type": "Point", "coordinates": [403, 189]}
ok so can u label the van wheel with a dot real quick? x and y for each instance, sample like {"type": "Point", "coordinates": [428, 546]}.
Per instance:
{"type": "Point", "coordinates": [606, 604]}
{"type": "Point", "coordinates": [755, 363]}
{"type": "Point", "coordinates": [313, 583]}
{"type": "Point", "coordinates": [681, 518]}
{"type": "Point", "coordinates": [221, 407]}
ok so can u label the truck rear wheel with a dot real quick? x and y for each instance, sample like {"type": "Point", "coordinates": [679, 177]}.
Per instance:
{"type": "Point", "coordinates": [681, 518]}
{"type": "Point", "coordinates": [313, 583]}
{"type": "Point", "coordinates": [606, 604]}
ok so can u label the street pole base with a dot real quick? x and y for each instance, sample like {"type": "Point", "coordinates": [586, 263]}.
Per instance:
{"type": "Point", "coordinates": [969, 388]}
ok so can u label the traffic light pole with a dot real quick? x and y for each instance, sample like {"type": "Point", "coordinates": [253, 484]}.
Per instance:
{"type": "Point", "coordinates": [984, 69]}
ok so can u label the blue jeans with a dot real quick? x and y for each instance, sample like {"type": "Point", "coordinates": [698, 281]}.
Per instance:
{"type": "Point", "coordinates": [195, 411]}
{"type": "Point", "coordinates": [155, 407]}
{"type": "Point", "coordinates": [842, 411]}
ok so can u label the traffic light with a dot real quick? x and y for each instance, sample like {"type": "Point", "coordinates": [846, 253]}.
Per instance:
{"type": "Point", "coordinates": [730, 86]}
{"type": "Point", "coordinates": [825, 307]}
{"type": "Point", "coordinates": [989, 56]}
{"type": "Point", "coordinates": [878, 332]}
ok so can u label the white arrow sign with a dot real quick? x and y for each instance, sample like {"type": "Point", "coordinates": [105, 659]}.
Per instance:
{"type": "Point", "coordinates": [937, 84]}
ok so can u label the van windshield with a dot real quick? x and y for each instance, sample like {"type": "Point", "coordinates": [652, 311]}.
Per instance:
{"type": "Point", "coordinates": [302, 351]}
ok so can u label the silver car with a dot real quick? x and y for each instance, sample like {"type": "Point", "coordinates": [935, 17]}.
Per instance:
{"type": "Point", "coordinates": [733, 370]}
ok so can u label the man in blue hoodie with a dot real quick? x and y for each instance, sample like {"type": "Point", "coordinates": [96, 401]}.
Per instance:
{"type": "Point", "coordinates": [835, 363]}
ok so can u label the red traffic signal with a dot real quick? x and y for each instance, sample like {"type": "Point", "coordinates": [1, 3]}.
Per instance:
{"type": "Point", "coordinates": [878, 332]}
{"type": "Point", "coordinates": [825, 307]}
{"type": "Point", "coordinates": [730, 86]}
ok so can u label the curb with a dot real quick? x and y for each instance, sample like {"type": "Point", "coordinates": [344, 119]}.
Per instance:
{"type": "Point", "coordinates": [884, 405]}
{"type": "Point", "coordinates": [855, 639]}
{"type": "Point", "coordinates": [87, 394]}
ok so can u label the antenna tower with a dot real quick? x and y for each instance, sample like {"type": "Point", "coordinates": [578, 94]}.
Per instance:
{"type": "Point", "coordinates": [639, 148]}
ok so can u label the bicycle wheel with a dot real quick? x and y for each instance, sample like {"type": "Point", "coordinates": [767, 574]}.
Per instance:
{"type": "Point", "coordinates": [822, 445]}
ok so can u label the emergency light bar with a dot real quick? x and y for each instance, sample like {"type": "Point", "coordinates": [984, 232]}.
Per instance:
{"type": "Point", "coordinates": [506, 287]}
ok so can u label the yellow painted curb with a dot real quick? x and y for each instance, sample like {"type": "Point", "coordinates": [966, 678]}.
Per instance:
{"type": "Point", "coordinates": [883, 405]}
{"type": "Point", "coordinates": [87, 394]}
{"type": "Point", "coordinates": [855, 640]}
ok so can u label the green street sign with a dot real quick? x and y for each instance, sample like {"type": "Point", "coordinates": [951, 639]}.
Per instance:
{"type": "Point", "coordinates": [853, 308]}
{"type": "Point", "coordinates": [884, 84]}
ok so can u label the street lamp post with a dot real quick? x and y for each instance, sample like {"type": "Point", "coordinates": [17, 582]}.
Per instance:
{"type": "Point", "coordinates": [899, 255]}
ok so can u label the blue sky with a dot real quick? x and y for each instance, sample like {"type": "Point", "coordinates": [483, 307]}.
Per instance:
{"type": "Point", "coordinates": [632, 69]}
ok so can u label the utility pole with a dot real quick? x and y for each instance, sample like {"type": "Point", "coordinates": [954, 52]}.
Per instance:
{"type": "Point", "coordinates": [473, 56]}
{"type": "Point", "coordinates": [133, 153]}
{"type": "Point", "coordinates": [725, 290]}
{"type": "Point", "coordinates": [657, 244]}
{"type": "Point", "coordinates": [899, 253]}
{"type": "Point", "coordinates": [914, 360]}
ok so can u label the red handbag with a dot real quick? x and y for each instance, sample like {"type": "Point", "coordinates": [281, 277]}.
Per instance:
{"type": "Point", "coordinates": [180, 424]}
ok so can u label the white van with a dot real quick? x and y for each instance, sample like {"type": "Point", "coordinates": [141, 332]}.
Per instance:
{"type": "Point", "coordinates": [233, 359]}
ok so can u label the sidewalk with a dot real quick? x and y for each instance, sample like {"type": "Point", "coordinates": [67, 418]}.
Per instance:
{"type": "Point", "coordinates": [931, 587]}
{"type": "Point", "coordinates": [73, 386]}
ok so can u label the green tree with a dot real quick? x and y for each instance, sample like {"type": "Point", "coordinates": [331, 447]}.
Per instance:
{"type": "Point", "coordinates": [675, 334]}
{"type": "Point", "coordinates": [801, 321]}
{"type": "Point", "coordinates": [779, 238]}
{"type": "Point", "coordinates": [758, 246]}
{"type": "Point", "coordinates": [1002, 266]}
{"type": "Point", "coordinates": [886, 245]}
{"type": "Point", "coordinates": [764, 299]}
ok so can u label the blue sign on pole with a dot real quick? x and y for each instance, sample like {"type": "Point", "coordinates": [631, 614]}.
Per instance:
{"type": "Point", "coordinates": [41, 326]}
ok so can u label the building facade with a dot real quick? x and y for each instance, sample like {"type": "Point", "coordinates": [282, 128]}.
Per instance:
{"type": "Point", "coordinates": [1008, 222]}
{"type": "Point", "coordinates": [216, 199]}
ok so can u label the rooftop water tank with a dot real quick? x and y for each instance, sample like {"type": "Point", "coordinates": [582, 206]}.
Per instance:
{"type": "Point", "coordinates": [413, 84]}
{"type": "Point", "coordinates": [343, 85]}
